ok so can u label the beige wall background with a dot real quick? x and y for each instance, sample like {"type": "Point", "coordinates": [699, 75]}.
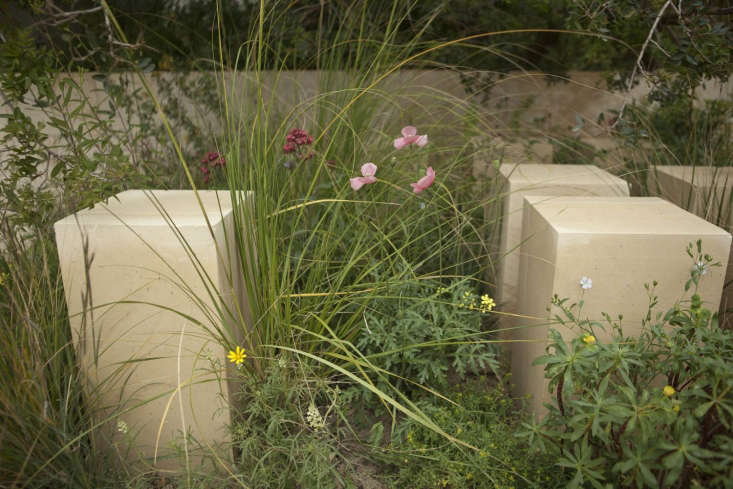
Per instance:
{"type": "Point", "coordinates": [526, 105]}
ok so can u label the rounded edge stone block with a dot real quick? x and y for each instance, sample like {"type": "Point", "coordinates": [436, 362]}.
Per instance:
{"type": "Point", "coordinates": [703, 190]}
{"type": "Point", "coordinates": [150, 321]}
{"type": "Point", "coordinates": [519, 181]}
{"type": "Point", "coordinates": [706, 192]}
{"type": "Point", "coordinates": [621, 243]}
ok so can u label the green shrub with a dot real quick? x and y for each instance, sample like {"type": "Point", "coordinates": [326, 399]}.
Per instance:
{"type": "Point", "coordinates": [482, 418]}
{"type": "Point", "coordinates": [676, 134]}
{"type": "Point", "coordinates": [652, 411]}
{"type": "Point", "coordinates": [573, 151]}
{"type": "Point", "coordinates": [289, 430]}
{"type": "Point", "coordinates": [422, 332]}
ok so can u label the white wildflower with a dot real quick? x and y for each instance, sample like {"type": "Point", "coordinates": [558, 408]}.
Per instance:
{"type": "Point", "coordinates": [700, 268]}
{"type": "Point", "coordinates": [314, 418]}
{"type": "Point", "coordinates": [586, 283]}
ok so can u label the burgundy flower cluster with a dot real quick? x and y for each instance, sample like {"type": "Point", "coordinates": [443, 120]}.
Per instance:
{"type": "Point", "coordinates": [295, 139]}
{"type": "Point", "coordinates": [295, 142]}
{"type": "Point", "coordinates": [210, 162]}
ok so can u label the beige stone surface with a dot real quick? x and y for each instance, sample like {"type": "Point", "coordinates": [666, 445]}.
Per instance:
{"type": "Point", "coordinates": [703, 190]}
{"type": "Point", "coordinates": [519, 181]}
{"type": "Point", "coordinates": [706, 192]}
{"type": "Point", "coordinates": [170, 370]}
{"type": "Point", "coordinates": [621, 243]}
{"type": "Point", "coordinates": [519, 106]}
{"type": "Point", "coordinates": [488, 151]}
{"type": "Point", "coordinates": [606, 152]}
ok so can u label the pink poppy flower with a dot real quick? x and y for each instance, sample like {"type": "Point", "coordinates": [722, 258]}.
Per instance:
{"type": "Point", "coordinates": [409, 136]}
{"type": "Point", "coordinates": [425, 181]}
{"type": "Point", "coordinates": [367, 170]}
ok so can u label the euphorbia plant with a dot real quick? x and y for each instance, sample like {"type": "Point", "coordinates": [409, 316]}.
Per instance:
{"type": "Point", "coordinates": [653, 411]}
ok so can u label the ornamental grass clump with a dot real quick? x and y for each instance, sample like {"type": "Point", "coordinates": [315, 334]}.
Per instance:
{"type": "Point", "coordinates": [315, 256]}
{"type": "Point", "coordinates": [654, 411]}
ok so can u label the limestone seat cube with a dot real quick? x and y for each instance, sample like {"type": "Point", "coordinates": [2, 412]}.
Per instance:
{"type": "Point", "coordinates": [139, 349]}
{"type": "Point", "coordinates": [706, 192]}
{"type": "Point", "coordinates": [519, 181]}
{"type": "Point", "coordinates": [620, 243]}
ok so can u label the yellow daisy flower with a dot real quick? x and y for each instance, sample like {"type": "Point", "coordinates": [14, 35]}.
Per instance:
{"type": "Point", "coordinates": [237, 355]}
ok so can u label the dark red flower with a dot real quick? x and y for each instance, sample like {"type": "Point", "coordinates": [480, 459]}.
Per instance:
{"type": "Point", "coordinates": [207, 173]}
{"type": "Point", "coordinates": [289, 147]}
{"type": "Point", "coordinates": [299, 137]}
{"type": "Point", "coordinates": [211, 160]}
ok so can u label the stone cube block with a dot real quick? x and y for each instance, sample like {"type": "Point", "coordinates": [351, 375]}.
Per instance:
{"type": "Point", "coordinates": [152, 292]}
{"type": "Point", "coordinates": [519, 181]}
{"type": "Point", "coordinates": [621, 243]}
{"type": "Point", "coordinates": [706, 192]}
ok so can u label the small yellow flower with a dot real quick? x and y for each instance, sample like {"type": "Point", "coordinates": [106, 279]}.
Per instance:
{"type": "Point", "coordinates": [676, 408]}
{"type": "Point", "coordinates": [589, 339]}
{"type": "Point", "coordinates": [487, 303]}
{"type": "Point", "coordinates": [237, 355]}
{"type": "Point", "coordinates": [668, 390]}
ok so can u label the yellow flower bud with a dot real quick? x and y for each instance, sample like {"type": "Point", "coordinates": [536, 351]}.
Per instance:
{"type": "Point", "coordinates": [668, 390]}
{"type": "Point", "coordinates": [589, 339]}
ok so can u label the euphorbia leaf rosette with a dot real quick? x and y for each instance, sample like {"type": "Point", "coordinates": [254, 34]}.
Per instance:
{"type": "Point", "coordinates": [410, 136]}
{"type": "Point", "coordinates": [425, 181]}
{"type": "Point", "coordinates": [367, 170]}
